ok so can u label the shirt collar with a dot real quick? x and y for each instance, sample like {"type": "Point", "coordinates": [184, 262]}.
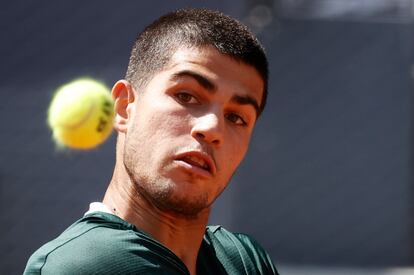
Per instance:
{"type": "Point", "coordinates": [98, 207]}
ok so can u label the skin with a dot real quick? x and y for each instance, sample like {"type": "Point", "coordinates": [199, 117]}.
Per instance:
{"type": "Point", "coordinates": [202, 105]}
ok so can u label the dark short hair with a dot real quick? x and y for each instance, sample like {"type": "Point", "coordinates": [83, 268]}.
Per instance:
{"type": "Point", "coordinates": [155, 46]}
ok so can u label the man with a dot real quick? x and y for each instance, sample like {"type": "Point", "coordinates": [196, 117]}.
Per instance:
{"type": "Point", "coordinates": [195, 85]}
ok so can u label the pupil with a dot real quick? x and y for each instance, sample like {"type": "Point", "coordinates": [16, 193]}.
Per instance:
{"type": "Point", "coordinates": [185, 97]}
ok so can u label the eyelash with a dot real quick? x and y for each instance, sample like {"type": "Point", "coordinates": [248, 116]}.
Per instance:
{"type": "Point", "coordinates": [180, 95]}
{"type": "Point", "coordinates": [242, 123]}
{"type": "Point", "coordinates": [228, 116]}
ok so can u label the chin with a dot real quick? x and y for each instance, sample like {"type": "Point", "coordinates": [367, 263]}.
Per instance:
{"type": "Point", "coordinates": [177, 194]}
{"type": "Point", "coordinates": [185, 206]}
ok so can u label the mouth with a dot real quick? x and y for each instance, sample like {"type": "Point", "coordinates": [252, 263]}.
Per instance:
{"type": "Point", "coordinates": [198, 160]}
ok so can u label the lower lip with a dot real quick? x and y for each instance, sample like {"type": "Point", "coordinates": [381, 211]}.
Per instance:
{"type": "Point", "coordinates": [194, 169]}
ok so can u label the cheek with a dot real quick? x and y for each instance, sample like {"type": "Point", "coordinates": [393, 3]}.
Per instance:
{"type": "Point", "coordinates": [158, 133]}
{"type": "Point", "coordinates": [239, 142]}
{"type": "Point", "coordinates": [233, 156]}
{"type": "Point", "coordinates": [167, 116]}
{"type": "Point", "coordinates": [168, 125]}
{"type": "Point", "coordinates": [161, 118]}
{"type": "Point", "coordinates": [237, 158]}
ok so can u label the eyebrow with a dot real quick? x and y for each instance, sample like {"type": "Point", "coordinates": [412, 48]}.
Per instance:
{"type": "Point", "coordinates": [247, 100]}
{"type": "Point", "coordinates": [211, 87]}
{"type": "Point", "coordinates": [202, 80]}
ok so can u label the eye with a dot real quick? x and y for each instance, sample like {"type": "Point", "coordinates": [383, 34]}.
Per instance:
{"type": "Point", "coordinates": [184, 97]}
{"type": "Point", "coordinates": [235, 118]}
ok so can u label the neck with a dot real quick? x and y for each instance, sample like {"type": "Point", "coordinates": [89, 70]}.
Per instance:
{"type": "Point", "coordinates": [182, 235]}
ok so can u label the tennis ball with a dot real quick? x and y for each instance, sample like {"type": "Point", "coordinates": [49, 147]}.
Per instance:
{"type": "Point", "coordinates": [81, 114]}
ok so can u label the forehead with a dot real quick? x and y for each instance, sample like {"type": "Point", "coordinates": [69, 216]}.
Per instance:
{"type": "Point", "coordinates": [227, 73]}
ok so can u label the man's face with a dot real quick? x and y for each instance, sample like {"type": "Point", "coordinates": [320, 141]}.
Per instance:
{"type": "Point", "coordinates": [190, 128]}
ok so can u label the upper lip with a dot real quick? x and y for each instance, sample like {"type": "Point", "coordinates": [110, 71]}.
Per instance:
{"type": "Point", "coordinates": [199, 156]}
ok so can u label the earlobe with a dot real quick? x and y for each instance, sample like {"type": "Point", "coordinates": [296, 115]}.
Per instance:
{"type": "Point", "coordinates": [124, 97]}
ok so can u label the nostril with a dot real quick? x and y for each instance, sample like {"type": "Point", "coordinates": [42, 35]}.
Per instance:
{"type": "Point", "coordinates": [211, 136]}
{"type": "Point", "coordinates": [200, 135]}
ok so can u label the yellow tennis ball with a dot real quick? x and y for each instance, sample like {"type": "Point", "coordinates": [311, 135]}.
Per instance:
{"type": "Point", "coordinates": [81, 114]}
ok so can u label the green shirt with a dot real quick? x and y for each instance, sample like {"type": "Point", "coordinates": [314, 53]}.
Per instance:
{"type": "Point", "coordinates": [101, 243]}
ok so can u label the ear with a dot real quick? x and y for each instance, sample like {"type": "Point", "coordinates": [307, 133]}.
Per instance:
{"type": "Point", "coordinates": [124, 96]}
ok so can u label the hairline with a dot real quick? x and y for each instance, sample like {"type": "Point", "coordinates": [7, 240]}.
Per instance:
{"type": "Point", "coordinates": [141, 85]}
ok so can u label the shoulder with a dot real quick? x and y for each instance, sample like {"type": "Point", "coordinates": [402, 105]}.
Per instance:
{"type": "Point", "coordinates": [242, 249]}
{"type": "Point", "coordinates": [91, 245]}
{"type": "Point", "coordinates": [230, 239]}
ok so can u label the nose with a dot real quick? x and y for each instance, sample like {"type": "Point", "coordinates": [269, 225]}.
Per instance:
{"type": "Point", "coordinates": [208, 128]}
